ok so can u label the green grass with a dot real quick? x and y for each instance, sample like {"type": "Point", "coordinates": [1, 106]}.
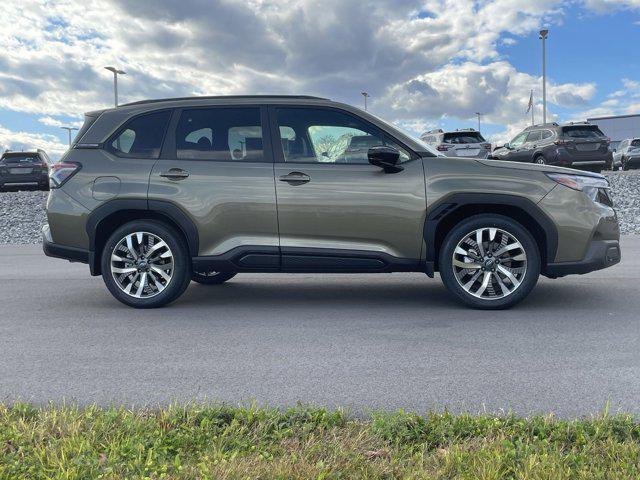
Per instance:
{"type": "Point", "coordinates": [219, 441]}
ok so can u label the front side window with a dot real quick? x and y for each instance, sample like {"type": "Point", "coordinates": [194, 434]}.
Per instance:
{"type": "Point", "coordinates": [313, 135]}
{"type": "Point", "coordinates": [223, 134]}
{"type": "Point", "coordinates": [142, 136]}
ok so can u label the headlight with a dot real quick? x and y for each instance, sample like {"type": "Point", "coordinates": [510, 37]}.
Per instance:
{"type": "Point", "coordinates": [597, 189]}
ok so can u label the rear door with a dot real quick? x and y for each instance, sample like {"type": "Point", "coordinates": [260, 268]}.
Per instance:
{"type": "Point", "coordinates": [335, 210]}
{"type": "Point", "coordinates": [217, 168]}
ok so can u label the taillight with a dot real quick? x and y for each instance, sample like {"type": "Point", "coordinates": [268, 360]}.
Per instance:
{"type": "Point", "coordinates": [442, 148]}
{"type": "Point", "coordinates": [59, 173]}
{"type": "Point", "coordinates": [487, 146]}
{"type": "Point", "coordinates": [562, 142]}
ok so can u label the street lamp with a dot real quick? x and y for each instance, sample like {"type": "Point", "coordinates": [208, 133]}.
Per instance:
{"type": "Point", "coordinates": [478, 114]}
{"type": "Point", "coordinates": [69, 129]}
{"type": "Point", "coordinates": [543, 36]}
{"type": "Point", "coordinates": [365, 95]}
{"type": "Point", "coordinates": [115, 81]}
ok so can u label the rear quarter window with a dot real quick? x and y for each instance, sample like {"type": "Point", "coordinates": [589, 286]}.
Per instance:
{"type": "Point", "coordinates": [142, 136]}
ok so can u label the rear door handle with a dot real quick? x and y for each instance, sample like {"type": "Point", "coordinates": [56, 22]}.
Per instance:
{"type": "Point", "coordinates": [175, 174]}
{"type": "Point", "coordinates": [295, 178]}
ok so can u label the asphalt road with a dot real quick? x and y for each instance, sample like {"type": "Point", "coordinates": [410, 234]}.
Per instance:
{"type": "Point", "coordinates": [360, 341]}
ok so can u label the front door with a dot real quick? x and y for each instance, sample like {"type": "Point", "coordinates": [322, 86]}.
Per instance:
{"type": "Point", "coordinates": [335, 210]}
{"type": "Point", "coordinates": [217, 170]}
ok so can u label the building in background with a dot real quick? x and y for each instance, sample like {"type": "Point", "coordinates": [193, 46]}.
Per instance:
{"type": "Point", "coordinates": [618, 127]}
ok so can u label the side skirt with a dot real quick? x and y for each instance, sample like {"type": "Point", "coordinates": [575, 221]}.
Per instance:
{"type": "Point", "coordinates": [306, 260]}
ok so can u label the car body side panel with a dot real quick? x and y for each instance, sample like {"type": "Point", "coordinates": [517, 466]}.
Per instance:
{"type": "Point", "coordinates": [105, 177]}
{"type": "Point", "coordinates": [232, 204]}
{"type": "Point", "coordinates": [579, 220]}
{"type": "Point", "coordinates": [448, 175]}
{"type": "Point", "coordinates": [67, 219]}
{"type": "Point", "coordinates": [353, 207]}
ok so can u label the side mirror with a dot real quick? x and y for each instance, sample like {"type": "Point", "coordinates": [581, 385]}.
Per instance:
{"type": "Point", "coordinates": [387, 158]}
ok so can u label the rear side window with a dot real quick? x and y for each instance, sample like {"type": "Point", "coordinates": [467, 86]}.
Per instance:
{"type": "Point", "coordinates": [463, 137]}
{"type": "Point", "coordinates": [546, 134]}
{"type": "Point", "coordinates": [635, 143]}
{"type": "Point", "coordinates": [583, 132]}
{"type": "Point", "coordinates": [533, 136]}
{"type": "Point", "coordinates": [223, 134]}
{"type": "Point", "coordinates": [142, 136]}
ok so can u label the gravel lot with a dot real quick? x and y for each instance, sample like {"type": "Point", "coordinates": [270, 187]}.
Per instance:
{"type": "Point", "coordinates": [22, 213]}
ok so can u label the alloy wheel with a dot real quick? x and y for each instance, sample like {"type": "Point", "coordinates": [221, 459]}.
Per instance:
{"type": "Point", "coordinates": [142, 264]}
{"type": "Point", "coordinates": [489, 263]}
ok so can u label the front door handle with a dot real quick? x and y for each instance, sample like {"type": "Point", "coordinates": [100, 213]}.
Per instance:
{"type": "Point", "coordinates": [175, 174]}
{"type": "Point", "coordinates": [295, 178]}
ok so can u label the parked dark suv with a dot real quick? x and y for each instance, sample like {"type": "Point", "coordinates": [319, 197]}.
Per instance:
{"type": "Point", "coordinates": [25, 169]}
{"type": "Point", "coordinates": [574, 145]}
{"type": "Point", "coordinates": [155, 194]}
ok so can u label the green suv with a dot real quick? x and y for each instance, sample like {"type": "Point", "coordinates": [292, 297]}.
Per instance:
{"type": "Point", "coordinates": [156, 194]}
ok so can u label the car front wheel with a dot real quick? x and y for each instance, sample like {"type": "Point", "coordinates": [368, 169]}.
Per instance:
{"type": "Point", "coordinates": [146, 264]}
{"type": "Point", "coordinates": [489, 262]}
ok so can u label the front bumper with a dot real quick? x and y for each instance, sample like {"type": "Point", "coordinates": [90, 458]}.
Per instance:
{"type": "Point", "coordinates": [633, 161]}
{"type": "Point", "coordinates": [600, 254]}
{"type": "Point", "coordinates": [51, 249]}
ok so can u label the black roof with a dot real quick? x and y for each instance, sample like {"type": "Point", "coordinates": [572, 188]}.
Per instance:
{"type": "Point", "coordinates": [223, 97]}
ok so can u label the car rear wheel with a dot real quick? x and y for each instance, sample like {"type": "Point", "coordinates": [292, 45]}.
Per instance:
{"type": "Point", "coordinates": [489, 262]}
{"type": "Point", "coordinates": [146, 264]}
{"type": "Point", "coordinates": [625, 165]}
{"type": "Point", "coordinates": [212, 277]}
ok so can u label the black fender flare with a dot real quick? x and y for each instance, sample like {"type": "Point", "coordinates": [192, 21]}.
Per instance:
{"type": "Point", "coordinates": [451, 203]}
{"type": "Point", "coordinates": [158, 207]}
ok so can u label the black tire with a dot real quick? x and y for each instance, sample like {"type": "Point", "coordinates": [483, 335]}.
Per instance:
{"type": "Point", "coordinates": [539, 159]}
{"type": "Point", "coordinates": [180, 273]}
{"type": "Point", "coordinates": [489, 221]}
{"type": "Point", "coordinates": [625, 165]}
{"type": "Point", "coordinates": [212, 278]}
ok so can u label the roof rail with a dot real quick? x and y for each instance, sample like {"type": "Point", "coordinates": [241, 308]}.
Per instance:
{"type": "Point", "coordinates": [220, 97]}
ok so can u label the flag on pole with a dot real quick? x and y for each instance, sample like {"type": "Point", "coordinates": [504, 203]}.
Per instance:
{"type": "Point", "coordinates": [530, 106]}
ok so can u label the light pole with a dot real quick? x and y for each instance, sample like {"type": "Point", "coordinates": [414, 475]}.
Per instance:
{"type": "Point", "coordinates": [478, 114]}
{"type": "Point", "coordinates": [365, 95]}
{"type": "Point", "coordinates": [69, 129]}
{"type": "Point", "coordinates": [543, 36]}
{"type": "Point", "coordinates": [116, 72]}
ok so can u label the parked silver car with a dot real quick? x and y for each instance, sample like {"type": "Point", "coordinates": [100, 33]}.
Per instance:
{"type": "Point", "coordinates": [459, 143]}
{"type": "Point", "coordinates": [627, 154]}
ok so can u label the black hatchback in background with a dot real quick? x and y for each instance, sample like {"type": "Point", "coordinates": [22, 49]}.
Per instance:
{"type": "Point", "coordinates": [25, 169]}
{"type": "Point", "coordinates": [575, 145]}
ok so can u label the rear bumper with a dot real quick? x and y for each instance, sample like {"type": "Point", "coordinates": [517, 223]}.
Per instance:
{"type": "Point", "coordinates": [55, 250]}
{"type": "Point", "coordinates": [600, 254]}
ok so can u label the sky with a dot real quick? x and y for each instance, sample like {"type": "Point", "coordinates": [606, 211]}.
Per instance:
{"type": "Point", "coordinates": [426, 64]}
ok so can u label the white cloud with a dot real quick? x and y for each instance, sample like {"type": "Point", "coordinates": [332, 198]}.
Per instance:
{"type": "Point", "coordinates": [420, 59]}
{"type": "Point", "coordinates": [19, 140]}
{"type": "Point", "coordinates": [54, 122]}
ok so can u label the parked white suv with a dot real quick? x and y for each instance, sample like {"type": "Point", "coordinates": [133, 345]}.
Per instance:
{"type": "Point", "coordinates": [627, 154]}
{"type": "Point", "coordinates": [459, 143]}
